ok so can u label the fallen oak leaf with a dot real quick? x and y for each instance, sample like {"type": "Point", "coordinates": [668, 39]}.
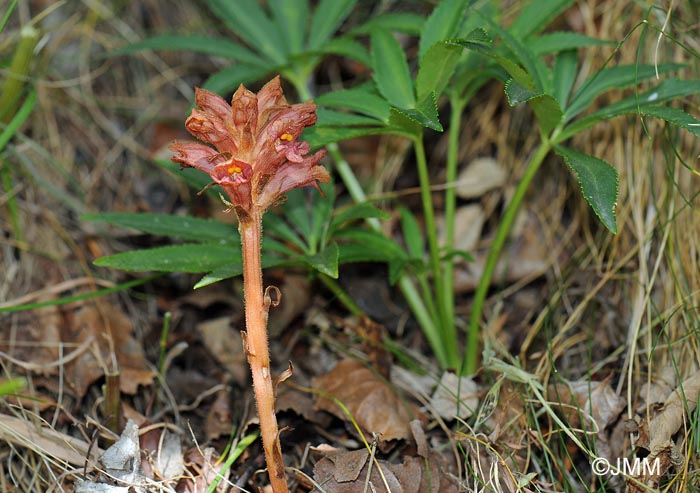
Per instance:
{"type": "Point", "coordinates": [374, 406]}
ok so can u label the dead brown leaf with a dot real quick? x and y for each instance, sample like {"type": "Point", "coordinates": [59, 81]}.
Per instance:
{"type": "Point", "coordinates": [219, 418]}
{"type": "Point", "coordinates": [86, 340]}
{"type": "Point", "coordinates": [346, 472]}
{"type": "Point", "coordinates": [226, 345]}
{"type": "Point", "coordinates": [372, 403]}
{"type": "Point", "coordinates": [656, 434]}
{"type": "Point", "coordinates": [588, 399]}
{"type": "Point", "coordinates": [111, 332]}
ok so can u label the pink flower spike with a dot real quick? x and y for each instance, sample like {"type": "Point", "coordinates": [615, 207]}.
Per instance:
{"type": "Point", "coordinates": [256, 156]}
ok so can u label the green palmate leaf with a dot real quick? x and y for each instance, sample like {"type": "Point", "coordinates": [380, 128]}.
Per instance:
{"type": "Point", "coordinates": [618, 77]}
{"type": "Point", "coordinates": [361, 99]}
{"type": "Point", "coordinates": [200, 44]}
{"type": "Point", "coordinates": [362, 210]}
{"type": "Point", "coordinates": [536, 15]}
{"type": "Point", "coordinates": [598, 181]}
{"type": "Point", "coordinates": [329, 15]}
{"type": "Point", "coordinates": [228, 79]}
{"type": "Point", "coordinates": [348, 48]}
{"type": "Point", "coordinates": [666, 91]}
{"type": "Point", "coordinates": [518, 74]}
{"type": "Point", "coordinates": [390, 70]}
{"type": "Point", "coordinates": [546, 108]}
{"type": "Point", "coordinates": [548, 43]}
{"type": "Point", "coordinates": [436, 69]}
{"type": "Point", "coordinates": [326, 261]}
{"type": "Point", "coordinates": [412, 234]}
{"type": "Point", "coordinates": [674, 116]}
{"type": "Point", "coordinates": [425, 113]}
{"type": "Point", "coordinates": [402, 124]}
{"type": "Point", "coordinates": [338, 119]}
{"type": "Point", "coordinates": [177, 258]}
{"type": "Point", "coordinates": [183, 227]}
{"type": "Point", "coordinates": [523, 56]}
{"type": "Point", "coordinates": [517, 94]}
{"type": "Point", "coordinates": [547, 111]}
{"type": "Point", "coordinates": [320, 136]}
{"type": "Point", "coordinates": [290, 17]}
{"type": "Point", "coordinates": [477, 39]}
{"type": "Point", "coordinates": [235, 269]}
{"type": "Point", "coordinates": [321, 213]}
{"type": "Point", "coordinates": [367, 246]}
{"type": "Point", "coordinates": [444, 22]}
{"type": "Point", "coordinates": [395, 22]}
{"type": "Point", "coordinates": [247, 19]}
{"type": "Point", "coordinates": [564, 75]}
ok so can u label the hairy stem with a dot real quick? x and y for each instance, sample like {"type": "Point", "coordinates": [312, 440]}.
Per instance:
{"type": "Point", "coordinates": [472, 351]}
{"type": "Point", "coordinates": [256, 347]}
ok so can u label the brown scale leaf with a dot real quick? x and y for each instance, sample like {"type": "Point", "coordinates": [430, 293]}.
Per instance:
{"type": "Point", "coordinates": [372, 403]}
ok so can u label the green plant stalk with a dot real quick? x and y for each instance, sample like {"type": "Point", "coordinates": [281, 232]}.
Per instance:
{"type": "Point", "coordinates": [447, 332]}
{"type": "Point", "coordinates": [340, 293]}
{"type": "Point", "coordinates": [164, 342]}
{"type": "Point", "coordinates": [457, 106]}
{"type": "Point", "coordinates": [408, 289]}
{"type": "Point", "coordinates": [17, 73]}
{"type": "Point", "coordinates": [472, 350]}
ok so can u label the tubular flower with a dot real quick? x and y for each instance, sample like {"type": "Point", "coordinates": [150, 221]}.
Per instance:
{"type": "Point", "coordinates": [256, 155]}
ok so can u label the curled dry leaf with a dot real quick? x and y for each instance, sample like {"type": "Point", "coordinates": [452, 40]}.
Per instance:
{"type": "Point", "coordinates": [656, 434]}
{"type": "Point", "coordinates": [372, 403]}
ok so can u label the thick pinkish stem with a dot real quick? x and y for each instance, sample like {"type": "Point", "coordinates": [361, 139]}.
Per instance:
{"type": "Point", "coordinates": [256, 346]}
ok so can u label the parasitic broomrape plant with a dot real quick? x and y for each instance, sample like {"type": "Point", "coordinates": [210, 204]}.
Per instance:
{"type": "Point", "coordinates": [256, 157]}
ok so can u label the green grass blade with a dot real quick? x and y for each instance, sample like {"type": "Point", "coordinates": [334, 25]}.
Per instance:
{"type": "Point", "coordinates": [243, 444]}
{"type": "Point", "coordinates": [7, 15]}
{"type": "Point", "coordinates": [598, 181]}
{"type": "Point", "coordinates": [18, 119]}
{"type": "Point", "coordinates": [81, 297]}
